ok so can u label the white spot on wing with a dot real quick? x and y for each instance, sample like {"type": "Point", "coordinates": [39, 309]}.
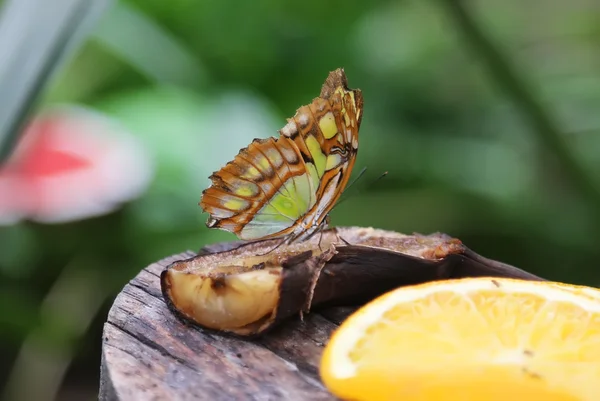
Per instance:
{"type": "Point", "coordinates": [289, 154]}
{"type": "Point", "coordinates": [303, 119]}
{"type": "Point", "coordinates": [289, 129]}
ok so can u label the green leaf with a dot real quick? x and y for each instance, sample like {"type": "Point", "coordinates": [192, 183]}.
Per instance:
{"type": "Point", "coordinates": [35, 38]}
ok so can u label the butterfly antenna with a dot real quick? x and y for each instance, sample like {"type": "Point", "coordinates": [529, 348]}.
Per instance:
{"type": "Point", "coordinates": [378, 178]}
{"type": "Point", "coordinates": [356, 179]}
{"type": "Point", "coordinates": [364, 169]}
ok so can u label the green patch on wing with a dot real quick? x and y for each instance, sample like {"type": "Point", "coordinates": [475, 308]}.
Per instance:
{"type": "Point", "coordinates": [282, 211]}
{"type": "Point", "coordinates": [317, 154]}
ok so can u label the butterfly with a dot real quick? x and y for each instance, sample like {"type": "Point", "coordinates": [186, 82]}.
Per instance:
{"type": "Point", "coordinates": [285, 187]}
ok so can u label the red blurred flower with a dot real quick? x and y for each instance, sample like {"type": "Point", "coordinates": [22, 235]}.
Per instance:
{"type": "Point", "coordinates": [71, 164]}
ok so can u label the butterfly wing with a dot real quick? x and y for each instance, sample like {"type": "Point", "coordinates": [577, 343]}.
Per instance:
{"type": "Point", "coordinates": [285, 186]}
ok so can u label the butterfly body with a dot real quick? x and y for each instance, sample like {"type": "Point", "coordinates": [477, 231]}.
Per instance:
{"type": "Point", "coordinates": [285, 187]}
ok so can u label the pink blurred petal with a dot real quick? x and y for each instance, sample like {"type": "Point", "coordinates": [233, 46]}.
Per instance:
{"type": "Point", "coordinates": [10, 212]}
{"type": "Point", "coordinates": [72, 164]}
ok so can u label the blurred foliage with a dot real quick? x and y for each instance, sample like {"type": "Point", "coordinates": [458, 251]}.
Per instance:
{"type": "Point", "coordinates": [196, 81]}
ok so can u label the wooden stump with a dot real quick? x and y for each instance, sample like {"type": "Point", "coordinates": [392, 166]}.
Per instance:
{"type": "Point", "coordinates": [149, 354]}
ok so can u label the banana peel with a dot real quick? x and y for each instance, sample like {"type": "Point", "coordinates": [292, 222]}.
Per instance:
{"type": "Point", "coordinates": [247, 288]}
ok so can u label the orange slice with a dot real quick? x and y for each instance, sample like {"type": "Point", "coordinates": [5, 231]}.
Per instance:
{"type": "Point", "coordinates": [471, 339]}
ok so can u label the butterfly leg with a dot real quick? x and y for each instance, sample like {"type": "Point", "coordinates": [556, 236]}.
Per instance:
{"type": "Point", "coordinates": [320, 238]}
{"type": "Point", "coordinates": [340, 238]}
{"type": "Point", "coordinates": [283, 241]}
{"type": "Point", "coordinates": [321, 229]}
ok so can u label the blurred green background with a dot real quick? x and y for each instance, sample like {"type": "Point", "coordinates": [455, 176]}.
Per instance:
{"type": "Point", "coordinates": [486, 117]}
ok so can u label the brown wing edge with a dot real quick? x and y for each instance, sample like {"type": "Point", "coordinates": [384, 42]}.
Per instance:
{"type": "Point", "coordinates": [335, 79]}
{"type": "Point", "coordinates": [217, 183]}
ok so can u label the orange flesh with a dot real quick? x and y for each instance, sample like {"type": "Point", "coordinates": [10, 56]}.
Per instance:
{"type": "Point", "coordinates": [486, 344]}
